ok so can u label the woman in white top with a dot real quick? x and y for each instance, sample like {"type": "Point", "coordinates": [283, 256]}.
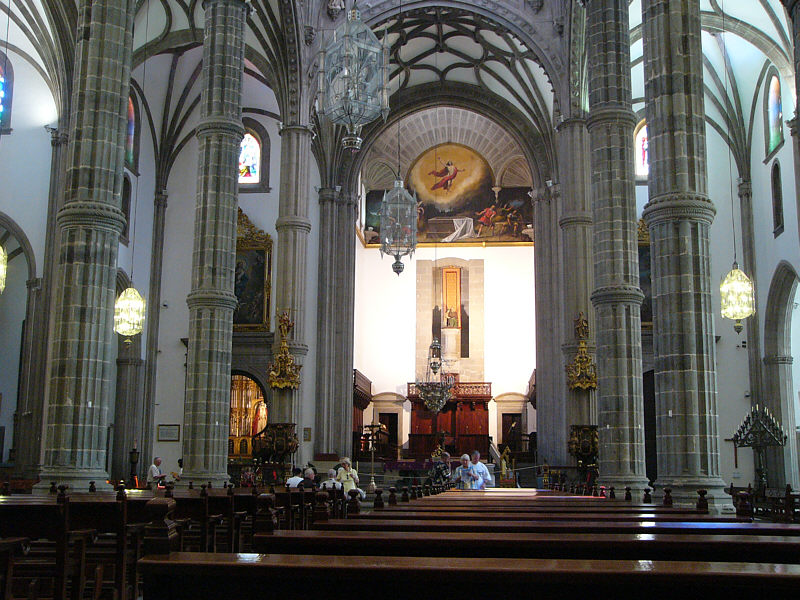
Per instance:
{"type": "Point", "coordinates": [347, 475]}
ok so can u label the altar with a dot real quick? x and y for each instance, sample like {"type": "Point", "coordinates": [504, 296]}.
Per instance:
{"type": "Point", "coordinates": [462, 425]}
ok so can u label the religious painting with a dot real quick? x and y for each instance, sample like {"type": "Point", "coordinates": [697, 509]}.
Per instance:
{"type": "Point", "coordinates": [457, 201]}
{"type": "Point", "coordinates": [451, 297]}
{"type": "Point", "coordinates": [252, 277]}
{"type": "Point", "coordinates": [6, 93]}
{"type": "Point", "coordinates": [641, 151]}
{"type": "Point", "coordinates": [131, 148]}
{"type": "Point", "coordinates": [774, 114]}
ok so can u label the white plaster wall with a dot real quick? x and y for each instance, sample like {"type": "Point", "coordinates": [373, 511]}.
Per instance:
{"type": "Point", "coordinates": [25, 156]}
{"type": "Point", "coordinates": [796, 355]}
{"type": "Point", "coordinates": [385, 323]}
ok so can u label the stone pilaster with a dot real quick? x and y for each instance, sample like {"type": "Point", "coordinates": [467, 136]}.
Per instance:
{"type": "Point", "coordinates": [576, 256]}
{"type": "Point", "coordinates": [679, 216]}
{"type": "Point", "coordinates": [335, 316]}
{"type": "Point", "coordinates": [793, 8]}
{"type": "Point", "coordinates": [293, 226]}
{"type": "Point", "coordinates": [128, 409]}
{"type": "Point", "coordinates": [617, 298]}
{"type": "Point", "coordinates": [147, 424]}
{"type": "Point", "coordinates": [212, 301]}
{"type": "Point", "coordinates": [781, 462]}
{"type": "Point", "coordinates": [551, 412]}
{"type": "Point", "coordinates": [80, 370]}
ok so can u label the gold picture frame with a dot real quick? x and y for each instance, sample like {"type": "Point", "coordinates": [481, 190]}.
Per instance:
{"type": "Point", "coordinates": [253, 276]}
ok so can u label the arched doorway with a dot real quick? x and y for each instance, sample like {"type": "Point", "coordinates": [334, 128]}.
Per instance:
{"type": "Point", "coordinates": [248, 418]}
{"type": "Point", "coordinates": [780, 388]}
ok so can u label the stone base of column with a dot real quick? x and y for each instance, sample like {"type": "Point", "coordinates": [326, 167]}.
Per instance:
{"type": "Point", "coordinates": [684, 492]}
{"type": "Point", "coordinates": [199, 478]}
{"type": "Point", "coordinates": [78, 480]}
{"type": "Point", "coordinates": [637, 484]}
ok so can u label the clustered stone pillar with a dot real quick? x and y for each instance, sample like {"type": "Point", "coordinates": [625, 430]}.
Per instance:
{"type": "Point", "coordinates": [334, 414]}
{"type": "Point", "coordinates": [793, 8]}
{"type": "Point", "coordinates": [293, 226]}
{"type": "Point", "coordinates": [551, 411]}
{"type": "Point", "coordinates": [617, 298]}
{"type": "Point", "coordinates": [577, 275]}
{"type": "Point", "coordinates": [80, 369]}
{"type": "Point", "coordinates": [679, 216]}
{"type": "Point", "coordinates": [212, 301]}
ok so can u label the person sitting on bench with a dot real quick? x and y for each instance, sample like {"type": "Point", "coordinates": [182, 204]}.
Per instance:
{"type": "Point", "coordinates": [296, 478]}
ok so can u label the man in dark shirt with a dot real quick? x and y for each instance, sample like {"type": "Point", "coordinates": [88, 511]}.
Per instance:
{"type": "Point", "coordinates": [440, 473]}
{"type": "Point", "coordinates": [308, 482]}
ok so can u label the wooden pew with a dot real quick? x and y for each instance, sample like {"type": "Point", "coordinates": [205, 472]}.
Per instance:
{"type": "Point", "coordinates": [559, 526]}
{"type": "Point", "coordinates": [538, 516]}
{"type": "Point", "coordinates": [717, 548]}
{"type": "Point", "coordinates": [198, 576]}
{"type": "Point", "coordinates": [8, 547]}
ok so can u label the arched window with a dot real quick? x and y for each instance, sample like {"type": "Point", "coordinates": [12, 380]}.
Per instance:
{"type": "Point", "coordinates": [773, 113]}
{"type": "Point", "coordinates": [641, 151]}
{"type": "Point", "coordinates": [777, 200]}
{"type": "Point", "coordinates": [132, 136]}
{"type": "Point", "coordinates": [254, 158]}
{"type": "Point", "coordinates": [6, 93]}
{"type": "Point", "coordinates": [126, 208]}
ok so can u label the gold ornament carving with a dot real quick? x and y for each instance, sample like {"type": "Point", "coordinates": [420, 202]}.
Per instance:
{"type": "Point", "coordinates": [582, 372]}
{"type": "Point", "coordinates": [643, 233]}
{"type": "Point", "coordinates": [284, 373]}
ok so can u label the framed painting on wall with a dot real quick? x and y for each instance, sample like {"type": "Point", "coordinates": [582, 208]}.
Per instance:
{"type": "Point", "coordinates": [253, 276]}
{"type": "Point", "coordinates": [169, 433]}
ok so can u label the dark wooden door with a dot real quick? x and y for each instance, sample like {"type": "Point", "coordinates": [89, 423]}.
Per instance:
{"type": "Point", "coordinates": [512, 426]}
{"type": "Point", "coordinates": [390, 420]}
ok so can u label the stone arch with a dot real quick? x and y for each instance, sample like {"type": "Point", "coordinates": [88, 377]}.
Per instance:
{"type": "Point", "coordinates": [258, 381]}
{"type": "Point", "coordinates": [778, 393]}
{"type": "Point", "coordinates": [21, 306]}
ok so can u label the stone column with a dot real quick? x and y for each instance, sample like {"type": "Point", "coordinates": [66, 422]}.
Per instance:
{"type": "Point", "coordinates": [212, 301]}
{"type": "Point", "coordinates": [679, 216]}
{"type": "Point", "coordinates": [551, 412]}
{"type": "Point", "coordinates": [793, 8]}
{"type": "Point", "coordinates": [577, 275]}
{"type": "Point", "coordinates": [617, 298]}
{"type": "Point", "coordinates": [781, 462]}
{"type": "Point", "coordinates": [336, 296]}
{"type": "Point", "coordinates": [153, 321]}
{"type": "Point", "coordinates": [79, 392]}
{"type": "Point", "coordinates": [293, 226]}
{"type": "Point", "coordinates": [128, 407]}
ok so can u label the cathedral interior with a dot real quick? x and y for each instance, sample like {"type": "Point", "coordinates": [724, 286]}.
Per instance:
{"type": "Point", "coordinates": [585, 174]}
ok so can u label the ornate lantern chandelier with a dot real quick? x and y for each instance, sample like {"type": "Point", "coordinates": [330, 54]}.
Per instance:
{"type": "Point", "coordinates": [353, 81]}
{"type": "Point", "coordinates": [129, 312]}
{"type": "Point", "coordinates": [737, 298]}
{"type": "Point", "coordinates": [3, 268]}
{"type": "Point", "coordinates": [398, 224]}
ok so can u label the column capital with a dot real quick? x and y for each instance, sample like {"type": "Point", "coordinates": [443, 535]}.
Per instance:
{"type": "Point", "coordinates": [244, 3]}
{"type": "Point", "coordinates": [327, 194]}
{"type": "Point", "coordinates": [57, 137]}
{"type": "Point", "coordinates": [602, 114]}
{"type": "Point", "coordinates": [679, 207]}
{"type": "Point", "coordinates": [160, 198]}
{"type": "Point", "coordinates": [295, 128]}
{"type": "Point", "coordinates": [219, 125]}
{"type": "Point", "coordinates": [570, 122]}
{"type": "Point", "coordinates": [94, 215]}
{"type": "Point", "coordinates": [575, 219]}
{"type": "Point", "coordinates": [778, 360]}
{"type": "Point", "coordinates": [293, 222]}
{"type": "Point", "coordinates": [617, 294]}
{"type": "Point", "coordinates": [745, 188]}
{"type": "Point", "coordinates": [204, 298]}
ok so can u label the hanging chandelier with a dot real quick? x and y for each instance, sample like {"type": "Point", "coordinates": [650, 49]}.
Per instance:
{"type": "Point", "coordinates": [737, 298]}
{"type": "Point", "coordinates": [3, 268]}
{"type": "Point", "coordinates": [353, 82]}
{"type": "Point", "coordinates": [398, 224]}
{"type": "Point", "coordinates": [129, 313]}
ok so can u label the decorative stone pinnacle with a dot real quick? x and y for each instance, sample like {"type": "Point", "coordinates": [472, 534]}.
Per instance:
{"type": "Point", "coordinates": [283, 372]}
{"type": "Point", "coordinates": [582, 372]}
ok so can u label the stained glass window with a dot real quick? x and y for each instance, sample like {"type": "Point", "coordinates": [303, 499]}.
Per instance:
{"type": "Point", "coordinates": [6, 92]}
{"type": "Point", "coordinates": [641, 152]}
{"type": "Point", "coordinates": [777, 200]}
{"type": "Point", "coordinates": [774, 114]}
{"type": "Point", "coordinates": [250, 159]}
{"type": "Point", "coordinates": [130, 138]}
